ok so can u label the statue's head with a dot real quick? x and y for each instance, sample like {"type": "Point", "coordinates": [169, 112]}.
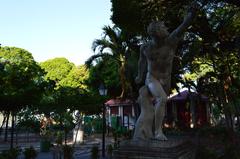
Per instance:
{"type": "Point", "coordinates": [157, 29]}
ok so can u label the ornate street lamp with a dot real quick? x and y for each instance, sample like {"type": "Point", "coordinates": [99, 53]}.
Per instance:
{"type": "Point", "coordinates": [103, 92]}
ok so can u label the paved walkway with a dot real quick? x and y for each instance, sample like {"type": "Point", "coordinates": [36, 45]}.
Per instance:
{"type": "Point", "coordinates": [82, 151]}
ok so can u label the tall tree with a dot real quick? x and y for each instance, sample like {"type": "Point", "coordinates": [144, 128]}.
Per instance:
{"type": "Point", "coordinates": [21, 81]}
{"type": "Point", "coordinates": [114, 45]}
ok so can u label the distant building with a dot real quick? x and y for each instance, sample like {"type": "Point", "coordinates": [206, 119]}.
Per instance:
{"type": "Point", "coordinates": [120, 113]}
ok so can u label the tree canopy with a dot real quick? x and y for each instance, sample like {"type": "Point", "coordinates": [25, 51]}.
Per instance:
{"type": "Point", "coordinates": [21, 78]}
{"type": "Point", "coordinates": [57, 68]}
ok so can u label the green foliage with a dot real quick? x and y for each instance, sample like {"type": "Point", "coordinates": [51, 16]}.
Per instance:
{"type": "Point", "coordinates": [110, 150]}
{"type": "Point", "coordinates": [68, 152]}
{"type": "Point", "coordinates": [231, 151]}
{"type": "Point", "coordinates": [97, 124]}
{"type": "Point", "coordinates": [113, 50]}
{"type": "Point", "coordinates": [203, 152]}
{"type": "Point", "coordinates": [135, 15]}
{"type": "Point", "coordinates": [219, 132]}
{"type": "Point", "coordinates": [45, 145]}
{"type": "Point", "coordinates": [10, 154]}
{"type": "Point", "coordinates": [218, 144]}
{"type": "Point", "coordinates": [127, 15]}
{"type": "Point", "coordinates": [28, 120]}
{"type": "Point", "coordinates": [70, 87]}
{"type": "Point", "coordinates": [21, 79]}
{"type": "Point", "coordinates": [57, 68]}
{"type": "Point", "coordinates": [59, 137]}
{"type": "Point", "coordinates": [47, 103]}
{"type": "Point", "coordinates": [64, 118]}
{"type": "Point", "coordinates": [76, 78]}
{"type": "Point", "coordinates": [105, 71]}
{"type": "Point", "coordinates": [30, 153]}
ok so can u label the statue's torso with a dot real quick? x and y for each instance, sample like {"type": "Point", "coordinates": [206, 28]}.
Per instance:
{"type": "Point", "coordinates": [159, 60]}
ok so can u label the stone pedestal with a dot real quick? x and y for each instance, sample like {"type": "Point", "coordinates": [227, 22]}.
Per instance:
{"type": "Point", "coordinates": [153, 149]}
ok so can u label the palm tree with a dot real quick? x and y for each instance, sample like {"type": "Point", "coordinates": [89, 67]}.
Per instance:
{"type": "Point", "coordinates": [115, 45]}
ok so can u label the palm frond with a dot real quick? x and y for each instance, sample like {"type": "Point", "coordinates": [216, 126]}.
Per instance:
{"type": "Point", "coordinates": [112, 33]}
{"type": "Point", "coordinates": [90, 60]}
{"type": "Point", "coordinates": [100, 44]}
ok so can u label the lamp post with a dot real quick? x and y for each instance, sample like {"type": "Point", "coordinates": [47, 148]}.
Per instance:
{"type": "Point", "coordinates": [103, 92]}
{"type": "Point", "coordinates": [1, 66]}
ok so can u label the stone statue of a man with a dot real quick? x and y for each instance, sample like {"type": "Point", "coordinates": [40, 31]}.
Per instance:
{"type": "Point", "coordinates": [156, 58]}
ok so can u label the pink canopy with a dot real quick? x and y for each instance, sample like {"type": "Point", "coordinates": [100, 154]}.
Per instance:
{"type": "Point", "coordinates": [118, 102]}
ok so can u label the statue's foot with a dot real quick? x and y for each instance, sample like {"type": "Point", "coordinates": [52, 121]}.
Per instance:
{"type": "Point", "coordinates": [161, 137]}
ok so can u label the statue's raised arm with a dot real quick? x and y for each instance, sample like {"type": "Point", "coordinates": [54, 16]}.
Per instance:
{"type": "Point", "coordinates": [177, 33]}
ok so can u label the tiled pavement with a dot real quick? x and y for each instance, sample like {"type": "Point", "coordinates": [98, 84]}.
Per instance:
{"type": "Point", "coordinates": [82, 151]}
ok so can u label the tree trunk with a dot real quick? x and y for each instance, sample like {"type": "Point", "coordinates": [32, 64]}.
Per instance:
{"type": "Point", "coordinates": [16, 131]}
{"type": "Point", "coordinates": [12, 130]}
{"type": "Point", "coordinates": [6, 127]}
{"type": "Point", "coordinates": [125, 86]}
{"type": "Point", "coordinates": [3, 122]}
{"type": "Point", "coordinates": [79, 125]}
{"type": "Point", "coordinates": [65, 137]}
{"type": "Point", "coordinates": [238, 122]}
{"type": "Point", "coordinates": [228, 118]}
{"type": "Point", "coordinates": [62, 128]}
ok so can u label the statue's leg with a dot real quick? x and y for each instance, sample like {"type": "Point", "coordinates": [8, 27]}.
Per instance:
{"type": "Point", "coordinates": [159, 94]}
{"type": "Point", "coordinates": [159, 116]}
{"type": "Point", "coordinates": [143, 127]}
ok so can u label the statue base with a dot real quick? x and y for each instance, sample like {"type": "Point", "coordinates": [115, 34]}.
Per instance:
{"type": "Point", "coordinates": [173, 148]}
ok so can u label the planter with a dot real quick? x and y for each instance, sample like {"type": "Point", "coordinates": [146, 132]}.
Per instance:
{"type": "Point", "coordinates": [45, 145]}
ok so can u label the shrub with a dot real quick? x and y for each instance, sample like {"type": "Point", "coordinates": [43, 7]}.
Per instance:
{"type": "Point", "coordinates": [59, 137]}
{"type": "Point", "coordinates": [95, 152]}
{"type": "Point", "coordinates": [11, 153]}
{"type": "Point", "coordinates": [231, 151]}
{"type": "Point", "coordinates": [30, 153]}
{"type": "Point", "coordinates": [110, 150]}
{"type": "Point", "coordinates": [204, 153]}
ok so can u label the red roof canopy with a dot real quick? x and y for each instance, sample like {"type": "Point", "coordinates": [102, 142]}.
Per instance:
{"type": "Point", "coordinates": [119, 102]}
{"type": "Point", "coordinates": [185, 94]}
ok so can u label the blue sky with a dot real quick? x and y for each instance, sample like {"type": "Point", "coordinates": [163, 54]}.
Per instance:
{"type": "Point", "coordinates": [53, 28]}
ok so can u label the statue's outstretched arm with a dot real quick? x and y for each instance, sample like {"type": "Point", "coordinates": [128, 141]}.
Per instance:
{"type": "Point", "coordinates": [177, 33]}
{"type": "Point", "coordinates": [142, 66]}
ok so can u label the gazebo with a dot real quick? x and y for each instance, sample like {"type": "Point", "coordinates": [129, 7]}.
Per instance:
{"type": "Point", "coordinates": [187, 109]}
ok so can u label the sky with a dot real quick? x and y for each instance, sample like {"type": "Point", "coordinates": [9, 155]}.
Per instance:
{"type": "Point", "coordinates": [54, 28]}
